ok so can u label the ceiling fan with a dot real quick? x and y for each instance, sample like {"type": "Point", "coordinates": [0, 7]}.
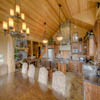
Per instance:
{"type": "Point", "coordinates": [97, 2]}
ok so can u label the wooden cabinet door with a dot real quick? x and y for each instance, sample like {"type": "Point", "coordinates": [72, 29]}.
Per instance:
{"type": "Point", "coordinates": [98, 92]}
{"type": "Point", "coordinates": [75, 66]}
{"type": "Point", "coordinates": [91, 91]}
{"type": "Point", "coordinates": [97, 35]}
{"type": "Point", "coordinates": [63, 68]}
{"type": "Point", "coordinates": [91, 46]}
{"type": "Point", "coordinates": [80, 67]}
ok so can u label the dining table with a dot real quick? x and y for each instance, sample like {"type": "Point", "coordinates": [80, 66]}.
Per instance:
{"type": "Point", "coordinates": [18, 86]}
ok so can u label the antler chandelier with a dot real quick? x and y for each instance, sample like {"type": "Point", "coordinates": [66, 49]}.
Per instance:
{"type": "Point", "coordinates": [16, 25]}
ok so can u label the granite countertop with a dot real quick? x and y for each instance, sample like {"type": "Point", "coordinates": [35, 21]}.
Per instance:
{"type": "Point", "coordinates": [90, 74]}
{"type": "Point", "coordinates": [65, 61]}
{"type": "Point", "coordinates": [93, 80]}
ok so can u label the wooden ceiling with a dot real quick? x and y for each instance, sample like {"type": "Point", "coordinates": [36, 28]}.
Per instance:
{"type": "Point", "coordinates": [80, 12]}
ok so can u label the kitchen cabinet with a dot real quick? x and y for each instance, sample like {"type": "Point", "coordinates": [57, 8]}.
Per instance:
{"type": "Point", "coordinates": [75, 66]}
{"type": "Point", "coordinates": [97, 37]}
{"type": "Point", "coordinates": [91, 91]}
{"type": "Point", "coordinates": [62, 67]}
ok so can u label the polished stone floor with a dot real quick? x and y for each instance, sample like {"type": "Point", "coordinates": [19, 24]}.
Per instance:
{"type": "Point", "coordinates": [76, 90]}
{"type": "Point", "coordinates": [17, 87]}
{"type": "Point", "coordinates": [74, 85]}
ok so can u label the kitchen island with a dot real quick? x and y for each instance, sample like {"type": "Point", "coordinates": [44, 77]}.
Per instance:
{"type": "Point", "coordinates": [92, 88]}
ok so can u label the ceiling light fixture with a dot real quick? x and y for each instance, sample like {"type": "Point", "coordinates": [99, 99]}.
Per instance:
{"type": "Point", "coordinates": [59, 36]}
{"type": "Point", "coordinates": [16, 25]}
{"type": "Point", "coordinates": [45, 41]}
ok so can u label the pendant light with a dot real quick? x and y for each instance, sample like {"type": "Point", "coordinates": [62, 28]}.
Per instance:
{"type": "Point", "coordinates": [59, 36]}
{"type": "Point", "coordinates": [45, 41]}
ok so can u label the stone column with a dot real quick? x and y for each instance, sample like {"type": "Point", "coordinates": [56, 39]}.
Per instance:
{"type": "Point", "coordinates": [10, 54]}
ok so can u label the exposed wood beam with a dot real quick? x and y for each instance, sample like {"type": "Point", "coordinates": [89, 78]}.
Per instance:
{"type": "Point", "coordinates": [68, 8]}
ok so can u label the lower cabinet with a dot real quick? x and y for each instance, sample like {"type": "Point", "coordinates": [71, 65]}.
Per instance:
{"type": "Point", "coordinates": [75, 66]}
{"type": "Point", "coordinates": [91, 91]}
{"type": "Point", "coordinates": [62, 67]}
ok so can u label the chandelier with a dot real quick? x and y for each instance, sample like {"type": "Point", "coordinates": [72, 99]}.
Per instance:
{"type": "Point", "coordinates": [59, 36]}
{"type": "Point", "coordinates": [45, 41]}
{"type": "Point", "coordinates": [16, 25]}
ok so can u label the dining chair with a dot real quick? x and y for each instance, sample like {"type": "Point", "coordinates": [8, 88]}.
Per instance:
{"type": "Point", "coordinates": [43, 76]}
{"type": "Point", "coordinates": [31, 71]}
{"type": "Point", "coordinates": [59, 83]}
{"type": "Point", "coordinates": [24, 68]}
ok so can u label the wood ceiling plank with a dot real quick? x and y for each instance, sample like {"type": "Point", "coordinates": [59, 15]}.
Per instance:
{"type": "Point", "coordinates": [40, 10]}
{"type": "Point", "coordinates": [85, 6]}
{"type": "Point", "coordinates": [79, 7]}
{"type": "Point", "coordinates": [94, 0]}
{"type": "Point", "coordinates": [62, 11]}
{"type": "Point", "coordinates": [48, 24]}
{"type": "Point", "coordinates": [73, 6]}
{"type": "Point", "coordinates": [68, 7]}
{"type": "Point", "coordinates": [65, 8]}
{"type": "Point", "coordinates": [83, 24]}
{"type": "Point", "coordinates": [55, 7]}
{"type": "Point", "coordinates": [87, 17]}
{"type": "Point", "coordinates": [42, 24]}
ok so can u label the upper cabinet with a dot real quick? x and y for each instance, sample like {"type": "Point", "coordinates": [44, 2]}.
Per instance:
{"type": "Point", "coordinates": [97, 39]}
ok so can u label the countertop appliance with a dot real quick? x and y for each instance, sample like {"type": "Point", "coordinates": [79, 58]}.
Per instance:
{"type": "Point", "coordinates": [98, 72]}
{"type": "Point", "coordinates": [82, 59]}
{"type": "Point", "coordinates": [75, 50]}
